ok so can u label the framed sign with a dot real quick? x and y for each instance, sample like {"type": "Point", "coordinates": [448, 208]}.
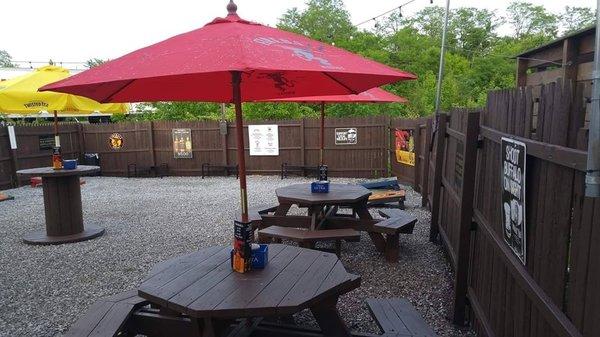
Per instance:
{"type": "Point", "coordinates": [346, 136]}
{"type": "Point", "coordinates": [182, 143]}
{"type": "Point", "coordinates": [46, 142]}
{"type": "Point", "coordinates": [405, 146]}
{"type": "Point", "coordinates": [264, 140]}
{"type": "Point", "coordinates": [514, 157]}
{"type": "Point", "coordinates": [115, 141]}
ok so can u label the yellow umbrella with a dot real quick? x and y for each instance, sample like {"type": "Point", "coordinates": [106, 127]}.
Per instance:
{"type": "Point", "coordinates": [20, 95]}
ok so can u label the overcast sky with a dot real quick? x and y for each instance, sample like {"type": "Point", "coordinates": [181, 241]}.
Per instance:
{"type": "Point", "coordinates": [75, 30]}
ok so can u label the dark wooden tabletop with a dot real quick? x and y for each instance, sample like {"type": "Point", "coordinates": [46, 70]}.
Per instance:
{"type": "Point", "coordinates": [50, 172]}
{"type": "Point", "coordinates": [338, 194]}
{"type": "Point", "coordinates": [202, 284]}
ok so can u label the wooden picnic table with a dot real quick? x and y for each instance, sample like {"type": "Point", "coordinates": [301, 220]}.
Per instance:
{"type": "Point", "coordinates": [62, 206]}
{"type": "Point", "coordinates": [323, 207]}
{"type": "Point", "coordinates": [323, 210]}
{"type": "Point", "coordinates": [203, 286]}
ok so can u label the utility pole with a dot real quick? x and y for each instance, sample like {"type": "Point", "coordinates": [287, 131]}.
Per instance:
{"type": "Point", "coordinates": [438, 91]}
{"type": "Point", "coordinates": [592, 179]}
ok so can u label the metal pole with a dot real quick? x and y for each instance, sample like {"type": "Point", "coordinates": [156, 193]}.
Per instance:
{"type": "Point", "coordinates": [236, 80]}
{"type": "Point", "coordinates": [438, 90]}
{"type": "Point", "coordinates": [322, 133]}
{"type": "Point", "coordinates": [592, 178]}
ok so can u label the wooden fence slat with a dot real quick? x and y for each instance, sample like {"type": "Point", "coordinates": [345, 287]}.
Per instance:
{"type": "Point", "coordinates": [440, 142]}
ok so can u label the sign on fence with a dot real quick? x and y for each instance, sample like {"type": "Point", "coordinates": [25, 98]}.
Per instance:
{"type": "Point", "coordinates": [115, 141]}
{"type": "Point", "coordinates": [514, 156]}
{"type": "Point", "coordinates": [46, 142]}
{"type": "Point", "coordinates": [405, 146]}
{"type": "Point", "coordinates": [182, 144]}
{"type": "Point", "coordinates": [264, 140]}
{"type": "Point", "coordinates": [346, 136]}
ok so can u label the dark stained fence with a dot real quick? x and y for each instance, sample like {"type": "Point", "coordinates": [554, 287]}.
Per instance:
{"type": "Point", "coordinates": [150, 144]}
{"type": "Point", "coordinates": [137, 146]}
{"type": "Point", "coordinates": [412, 175]}
{"type": "Point", "coordinates": [208, 146]}
{"type": "Point", "coordinates": [7, 178]}
{"type": "Point", "coordinates": [30, 154]}
{"type": "Point", "coordinates": [556, 292]}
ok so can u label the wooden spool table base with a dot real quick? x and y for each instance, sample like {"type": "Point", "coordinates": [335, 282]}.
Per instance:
{"type": "Point", "coordinates": [62, 207]}
{"type": "Point", "coordinates": [41, 238]}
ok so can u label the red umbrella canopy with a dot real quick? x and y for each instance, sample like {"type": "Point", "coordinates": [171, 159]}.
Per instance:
{"type": "Point", "coordinates": [197, 66]}
{"type": "Point", "coordinates": [374, 95]}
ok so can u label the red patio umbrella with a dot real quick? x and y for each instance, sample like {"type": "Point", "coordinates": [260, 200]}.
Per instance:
{"type": "Point", "coordinates": [375, 95]}
{"type": "Point", "coordinates": [230, 60]}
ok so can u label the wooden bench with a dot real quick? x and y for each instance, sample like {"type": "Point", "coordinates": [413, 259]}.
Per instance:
{"type": "Point", "coordinates": [303, 170]}
{"type": "Point", "coordinates": [387, 198]}
{"type": "Point", "coordinates": [396, 222]}
{"type": "Point", "coordinates": [307, 238]}
{"type": "Point", "coordinates": [108, 316]}
{"type": "Point", "coordinates": [161, 170]}
{"type": "Point", "coordinates": [255, 215]}
{"type": "Point", "coordinates": [226, 169]}
{"type": "Point", "coordinates": [397, 317]}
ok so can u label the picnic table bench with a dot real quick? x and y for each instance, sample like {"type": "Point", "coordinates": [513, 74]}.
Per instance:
{"type": "Point", "coordinates": [397, 317]}
{"type": "Point", "coordinates": [207, 168]}
{"type": "Point", "coordinates": [107, 317]}
{"type": "Point", "coordinates": [307, 238]}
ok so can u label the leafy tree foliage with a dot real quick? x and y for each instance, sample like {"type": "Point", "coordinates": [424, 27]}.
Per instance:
{"type": "Point", "coordinates": [478, 58]}
{"type": "Point", "coordinates": [575, 18]}
{"type": "Point", "coordinates": [5, 60]}
{"type": "Point", "coordinates": [93, 62]}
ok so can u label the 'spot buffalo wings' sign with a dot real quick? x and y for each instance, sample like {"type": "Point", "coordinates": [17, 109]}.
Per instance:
{"type": "Point", "coordinates": [514, 156]}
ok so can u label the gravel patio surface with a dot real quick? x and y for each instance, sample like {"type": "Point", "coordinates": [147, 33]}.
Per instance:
{"type": "Point", "coordinates": [44, 289]}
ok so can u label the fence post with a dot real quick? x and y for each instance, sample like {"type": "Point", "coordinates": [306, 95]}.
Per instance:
{"type": "Point", "coordinates": [440, 146]}
{"type": "Point", "coordinates": [418, 162]}
{"type": "Point", "coordinates": [81, 141]}
{"type": "Point", "coordinates": [223, 128]}
{"type": "Point", "coordinates": [461, 283]}
{"type": "Point", "coordinates": [425, 168]}
{"type": "Point", "coordinates": [302, 146]}
{"type": "Point", "coordinates": [151, 137]}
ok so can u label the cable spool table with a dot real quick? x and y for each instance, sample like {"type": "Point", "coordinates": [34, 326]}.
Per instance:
{"type": "Point", "coordinates": [62, 206]}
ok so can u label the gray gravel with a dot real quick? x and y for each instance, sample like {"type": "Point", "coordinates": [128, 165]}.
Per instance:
{"type": "Point", "coordinates": [44, 289]}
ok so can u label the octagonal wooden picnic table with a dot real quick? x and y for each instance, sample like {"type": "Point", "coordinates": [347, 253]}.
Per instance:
{"type": "Point", "coordinates": [62, 206]}
{"type": "Point", "coordinates": [323, 209]}
{"type": "Point", "coordinates": [203, 286]}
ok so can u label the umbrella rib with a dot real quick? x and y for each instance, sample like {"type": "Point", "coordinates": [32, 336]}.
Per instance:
{"type": "Point", "coordinates": [340, 83]}
{"type": "Point", "coordinates": [107, 99]}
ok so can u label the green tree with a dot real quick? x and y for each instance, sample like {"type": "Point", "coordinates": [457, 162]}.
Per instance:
{"type": "Point", "coordinates": [94, 62]}
{"type": "Point", "coordinates": [324, 20]}
{"type": "Point", "coordinates": [576, 18]}
{"type": "Point", "coordinates": [5, 60]}
{"type": "Point", "coordinates": [528, 19]}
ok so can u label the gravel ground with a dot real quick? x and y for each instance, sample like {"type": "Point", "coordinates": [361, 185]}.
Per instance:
{"type": "Point", "coordinates": [44, 289]}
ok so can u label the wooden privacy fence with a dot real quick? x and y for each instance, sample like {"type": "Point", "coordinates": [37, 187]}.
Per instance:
{"type": "Point", "coordinates": [555, 293]}
{"type": "Point", "coordinates": [148, 144]}
{"type": "Point", "coordinates": [34, 149]}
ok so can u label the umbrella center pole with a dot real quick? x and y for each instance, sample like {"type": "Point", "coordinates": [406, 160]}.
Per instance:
{"type": "Point", "coordinates": [322, 133]}
{"type": "Point", "coordinates": [236, 80]}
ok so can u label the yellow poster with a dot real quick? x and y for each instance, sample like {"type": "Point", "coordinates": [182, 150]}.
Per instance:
{"type": "Point", "coordinates": [405, 147]}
